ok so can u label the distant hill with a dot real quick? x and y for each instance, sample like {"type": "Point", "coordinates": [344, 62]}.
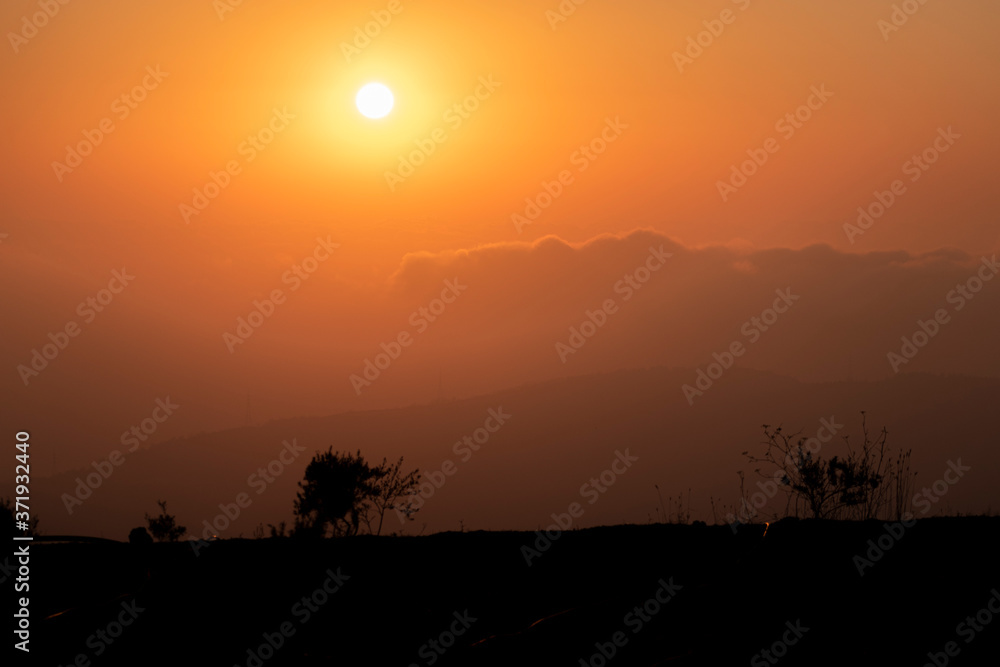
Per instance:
{"type": "Point", "coordinates": [559, 435]}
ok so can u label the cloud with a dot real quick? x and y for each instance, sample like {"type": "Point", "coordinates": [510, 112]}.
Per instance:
{"type": "Point", "coordinates": [853, 308]}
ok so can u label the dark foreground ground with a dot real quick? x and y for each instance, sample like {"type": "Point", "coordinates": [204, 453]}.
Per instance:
{"type": "Point", "coordinates": [795, 592]}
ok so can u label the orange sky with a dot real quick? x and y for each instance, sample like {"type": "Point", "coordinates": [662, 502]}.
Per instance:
{"type": "Point", "coordinates": [557, 87]}
{"type": "Point", "coordinates": [533, 94]}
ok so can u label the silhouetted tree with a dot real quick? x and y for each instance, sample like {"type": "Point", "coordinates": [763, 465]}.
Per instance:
{"type": "Point", "coordinates": [389, 489]}
{"type": "Point", "coordinates": [330, 494]}
{"type": "Point", "coordinates": [164, 527]}
{"type": "Point", "coordinates": [8, 519]}
{"type": "Point", "coordinates": [340, 492]}
{"type": "Point", "coordinates": [870, 482]}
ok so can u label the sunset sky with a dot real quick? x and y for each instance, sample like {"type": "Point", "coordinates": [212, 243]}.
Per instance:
{"type": "Point", "coordinates": [226, 71]}
{"type": "Point", "coordinates": [213, 150]}
{"type": "Point", "coordinates": [445, 302]}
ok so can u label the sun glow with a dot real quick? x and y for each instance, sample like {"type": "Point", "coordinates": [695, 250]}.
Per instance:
{"type": "Point", "coordinates": [374, 100]}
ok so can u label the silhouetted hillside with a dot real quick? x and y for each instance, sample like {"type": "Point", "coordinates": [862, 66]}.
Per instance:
{"type": "Point", "coordinates": [672, 595]}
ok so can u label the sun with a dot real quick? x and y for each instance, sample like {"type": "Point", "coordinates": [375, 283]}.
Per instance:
{"type": "Point", "coordinates": [374, 100]}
